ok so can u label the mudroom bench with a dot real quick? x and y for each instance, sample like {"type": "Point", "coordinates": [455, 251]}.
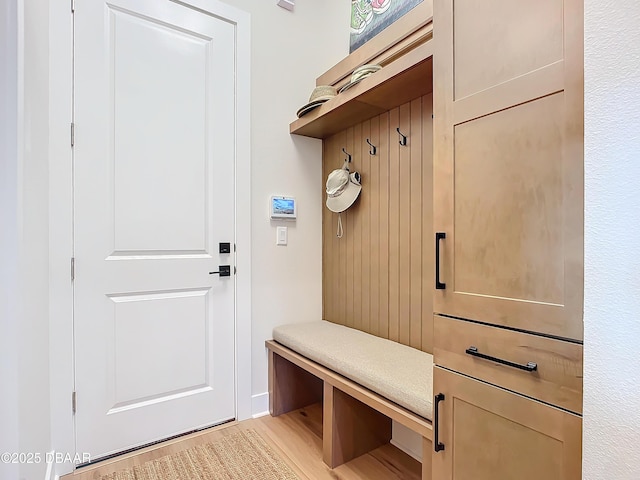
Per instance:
{"type": "Point", "coordinates": [363, 381]}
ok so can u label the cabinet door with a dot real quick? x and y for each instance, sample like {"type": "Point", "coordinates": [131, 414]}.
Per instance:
{"type": "Point", "coordinates": [493, 434]}
{"type": "Point", "coordinates": [508, 165]}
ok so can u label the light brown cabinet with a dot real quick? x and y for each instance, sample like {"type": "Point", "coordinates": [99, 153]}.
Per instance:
{"type": "Point", "coordinates": [508, 178]}
{"type": "Point", "coordinates": [489, 433]}
{"type": "Point", "coordinates": [508, 223]}
{"type": "Point", "coordinates": [542, 368]}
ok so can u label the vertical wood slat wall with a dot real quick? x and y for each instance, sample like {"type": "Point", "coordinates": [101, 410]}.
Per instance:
{"type": "Point", "coordinates": [379, 276]}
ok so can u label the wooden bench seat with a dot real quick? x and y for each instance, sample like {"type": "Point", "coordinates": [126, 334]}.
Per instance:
{"type": "Point", "coordinates": [338, 366]}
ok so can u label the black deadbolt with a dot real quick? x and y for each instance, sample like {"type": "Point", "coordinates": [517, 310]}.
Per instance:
{"type": "Point", "coordinates": [225, 247]}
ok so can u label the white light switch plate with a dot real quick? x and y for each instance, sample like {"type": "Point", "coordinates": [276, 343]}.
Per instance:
{"type": "Point", "coordinates": [281, 235]}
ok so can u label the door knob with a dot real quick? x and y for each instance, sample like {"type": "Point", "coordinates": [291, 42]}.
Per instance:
{"type": "Point", "coordinates": [223, 271]}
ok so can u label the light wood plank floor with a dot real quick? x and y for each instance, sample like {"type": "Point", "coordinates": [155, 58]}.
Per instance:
{"type": "Point", "coordinates": [296, 437]}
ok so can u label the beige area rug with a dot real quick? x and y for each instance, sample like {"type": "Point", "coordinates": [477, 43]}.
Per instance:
{"type": "Point", "coordinates": [239, 456]}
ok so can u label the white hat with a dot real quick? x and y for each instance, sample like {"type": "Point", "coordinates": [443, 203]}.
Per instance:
{"type": "Point", "coordinates": [342, 189]}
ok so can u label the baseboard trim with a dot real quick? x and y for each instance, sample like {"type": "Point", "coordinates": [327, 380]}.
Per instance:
{"type": "Point", "coordinates": [407, 440]}
{"type": "Point", "coordinates": [260, 405]}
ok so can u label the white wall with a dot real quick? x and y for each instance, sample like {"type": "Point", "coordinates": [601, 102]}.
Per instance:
{"type": "Point", "coordinates": [33, 248]}
{"type": "Point", "coordinates": [8, 235]}
{"type": "Point", "coordinates": [612, 240]}
{"type": "Point", "coordinates": [24, 276]}
{"type": "Point", "coordinates": [288, 51]}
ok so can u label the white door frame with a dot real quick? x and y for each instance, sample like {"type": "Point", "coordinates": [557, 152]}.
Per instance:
{"type": "Point", "coordinates": [61, 217]}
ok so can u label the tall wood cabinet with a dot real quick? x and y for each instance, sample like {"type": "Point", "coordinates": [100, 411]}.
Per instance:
{"type": "Point", "coordinates": [508, 102]}
{"type": "Point", "coordinates": [508, 221]}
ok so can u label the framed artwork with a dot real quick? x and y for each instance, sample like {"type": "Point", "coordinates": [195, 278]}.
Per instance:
{"type": "Point", "coordinates": [370, 17]}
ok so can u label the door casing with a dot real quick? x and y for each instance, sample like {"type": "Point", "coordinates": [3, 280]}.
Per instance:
{"type": "Point", "coordinates": [61, 219]}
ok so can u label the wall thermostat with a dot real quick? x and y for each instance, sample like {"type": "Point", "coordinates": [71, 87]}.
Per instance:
{"type": "Point", "coordinates": [283, 207]}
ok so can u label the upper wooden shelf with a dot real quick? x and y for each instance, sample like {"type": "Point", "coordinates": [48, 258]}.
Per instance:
{"type": "Point", "coordinates": [402, 80]}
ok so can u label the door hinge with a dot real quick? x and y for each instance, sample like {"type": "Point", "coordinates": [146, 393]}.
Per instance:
{"type": "Point", "coordinates": [73, 269]}
{"type": "Point", "coordinates": [73, 6]}
{"type": "Point", "coordinates": [234, 248]}
{"type": "Point", "coordinates": [73, 134]}
{"type": "Point", "coordinates": [73, 402]}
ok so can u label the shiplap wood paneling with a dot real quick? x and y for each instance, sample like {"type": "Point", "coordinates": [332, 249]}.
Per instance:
{"type": "Point", "coordinates": [379, 276]}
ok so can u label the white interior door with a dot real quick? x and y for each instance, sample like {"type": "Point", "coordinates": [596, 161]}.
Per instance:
{"type": "Point", "coordinates": [154, 188]}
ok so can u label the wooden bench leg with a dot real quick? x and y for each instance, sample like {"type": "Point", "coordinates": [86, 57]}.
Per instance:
{"type": "Point", "coordinates": [427, 452]}
{"type": "Point", "coordinates": [290, 387]}
{"type": "Point", "coordinates": [350, 428]}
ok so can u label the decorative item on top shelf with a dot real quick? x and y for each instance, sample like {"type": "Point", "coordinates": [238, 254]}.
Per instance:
{"type": "Point", "coordinates": [320, 94]}
{"type": "Point", "coordinates": [360, 74]}
{"type": "Point", "coordinates": [370, 17]}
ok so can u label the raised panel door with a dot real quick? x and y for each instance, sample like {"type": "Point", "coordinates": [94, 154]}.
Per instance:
{"type": "Point", "coordinates": [508, 163]}
{"type": "Point", "coordinates": [154, 196]}
{"type": "Point", "coordinates": [493, 434]}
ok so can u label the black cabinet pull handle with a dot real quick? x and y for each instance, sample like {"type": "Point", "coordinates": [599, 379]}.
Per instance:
{"type": "Point", "coordinates": [439, 236]}
{"type": "Point", "coordinates": [437, 445]}
{"type": "Point", "coordinates": [529, 367]}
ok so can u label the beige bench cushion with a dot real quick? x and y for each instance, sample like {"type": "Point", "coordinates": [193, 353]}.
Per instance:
{"type": "Point", "coordinates": [399, 373]}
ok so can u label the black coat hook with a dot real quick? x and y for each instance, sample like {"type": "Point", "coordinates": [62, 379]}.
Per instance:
{"type": "Point", "coordinates": [402, 142]}
{"type": "Point", "coordinates": [372, 151]}
{"type": "Point", "coordinates": [348, 159]}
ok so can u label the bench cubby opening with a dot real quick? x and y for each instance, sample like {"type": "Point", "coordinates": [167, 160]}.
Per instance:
{"type": "Point", "coordinates": [290, 386]}
{"type": "Point", "coordinates": [355, 420]}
